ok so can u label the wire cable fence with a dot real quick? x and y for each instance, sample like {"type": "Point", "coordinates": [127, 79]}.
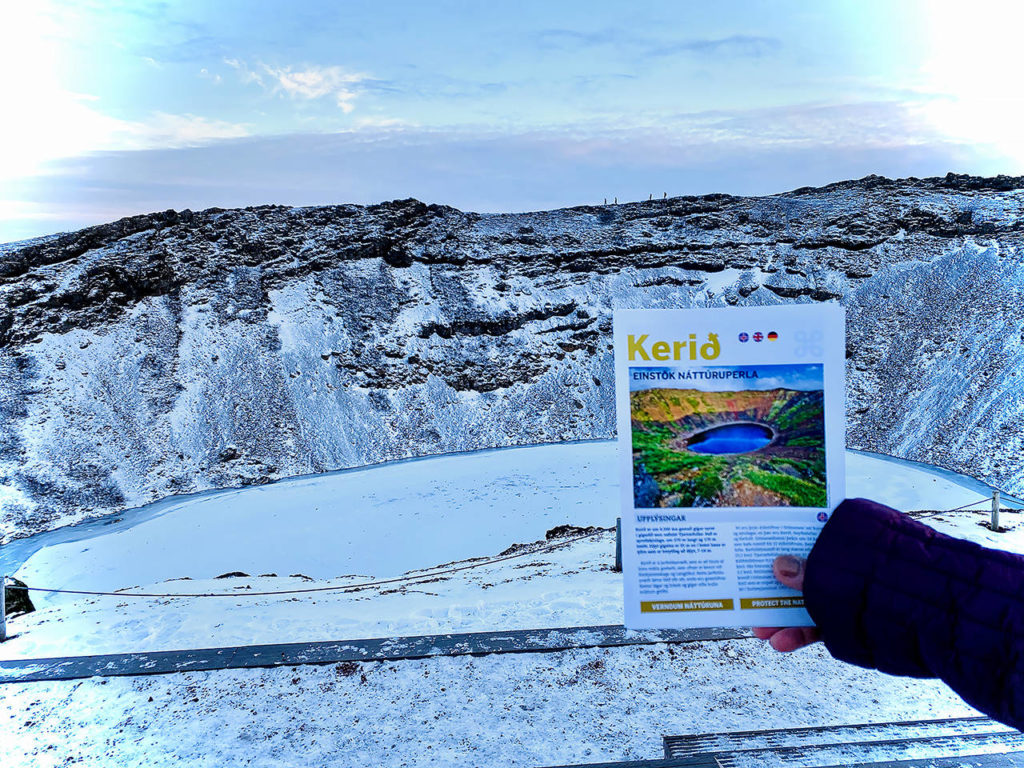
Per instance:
{"type": "Point", "coordinates": [949, 511]}
{"type": "Point", "coordinates": [409, 577]}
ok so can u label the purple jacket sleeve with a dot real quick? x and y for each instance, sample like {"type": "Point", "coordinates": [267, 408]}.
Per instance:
{"type": "Point", "coordinates": [892, 594]}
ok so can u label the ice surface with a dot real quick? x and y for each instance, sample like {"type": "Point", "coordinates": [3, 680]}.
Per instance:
{"type": "Point", "coordinates": [381, 522]}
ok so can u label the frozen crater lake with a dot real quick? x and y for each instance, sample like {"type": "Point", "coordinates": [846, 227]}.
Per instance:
{"type": "Point", "coordinates": [385, 520]}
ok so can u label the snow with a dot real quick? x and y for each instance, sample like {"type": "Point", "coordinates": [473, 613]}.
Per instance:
{"type": "Point", "coordinates": [377, 522]}
{"type": "Point", "coordinates": [529, 709]}
{"type": "Point", "coordinates": [576, 706]}
{"type": "Point", "coordinates": [719, 281]}
{"type": "Point", "coordinates": [381, 522]}
{"type": "Point", "coordinates": [908, 486]}
{"type": "Point", "coordinates": [10, 496]}
{"type": "Point", "coordinates": [572, 586]}
{"type": "Point", "coordinates": [235, 357]}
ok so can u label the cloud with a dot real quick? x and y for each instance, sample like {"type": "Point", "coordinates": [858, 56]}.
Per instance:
{"type": "Point", "coordinates": [313, 82]}
{"type": "Point", "coordinates": [47, 121]}
{"type": "Point", "coordinates": [192, 49]}
{"type": "Point", "coordinates": [751, 46]}
{"type": "Point", "coordinates": [746, 46]}
{"type": "Point", "coordinates": [383, 123]}
{"type": "Point", "coordinates": [205, 74]}
{"type": "Point", "coordinates": [571, 38]}
{"type": "Point", "coordinates": [165, 130]}
{"type": "Point", "coordinates": [247, 75]}
{"type": "Point", "coordinates": [744, 153]}
{"type": "Point", "coordinates": [66, 124]}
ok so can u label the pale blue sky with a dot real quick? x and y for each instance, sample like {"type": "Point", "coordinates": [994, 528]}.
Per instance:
{"type": "Point", "coordinates": [129, 107]}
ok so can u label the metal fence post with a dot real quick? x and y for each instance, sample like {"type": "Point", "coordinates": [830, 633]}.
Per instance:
{"type": "Point", "coordinates": [995, 510]}
{"type": "Point", "coordinates": [618, 544]}
{"type": "Point", "coordinates": [3, 608]}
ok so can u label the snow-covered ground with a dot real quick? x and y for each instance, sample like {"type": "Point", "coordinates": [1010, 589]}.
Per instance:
{"type": "Point", "coordinates": [529, 709]}
{"type": "Point", "coordinates": [378, 523]}
{"type": "Point", "coordinates": [571, 586]}
{"type": "Point", "coordinates": [525, 710]}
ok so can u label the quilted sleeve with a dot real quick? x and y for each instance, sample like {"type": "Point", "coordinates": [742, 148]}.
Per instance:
{"type": "Point", "coordinates": [892, 594]}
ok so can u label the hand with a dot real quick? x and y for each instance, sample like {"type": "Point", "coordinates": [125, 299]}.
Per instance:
{"type": "Point", "coordinates": [789, 571]}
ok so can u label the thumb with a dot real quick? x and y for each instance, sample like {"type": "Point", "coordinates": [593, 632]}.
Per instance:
{"type": "Point", "coordinates": [789, 571]}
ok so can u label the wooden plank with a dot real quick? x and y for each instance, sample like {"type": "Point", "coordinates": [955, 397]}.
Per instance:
{"type": "Point", "coordinates": [861, 753]}
{"type": "Point", "coordinates": [995, 760]}
{"type": "Point", "coordinates": [683, 746]}
{"type": "Point", "coordinates": [331, 652]}
{"type": "Point", "coordinates": [698, 761]}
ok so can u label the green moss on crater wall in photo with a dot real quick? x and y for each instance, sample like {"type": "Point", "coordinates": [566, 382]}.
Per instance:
{"type": "Point", "coordinates": [800, 492]}
{"type": "Point", "coordinates": [788, 471]}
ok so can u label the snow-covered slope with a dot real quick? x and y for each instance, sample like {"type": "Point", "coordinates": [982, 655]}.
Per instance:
{"type": "Point", "coordinates": [178, 352]}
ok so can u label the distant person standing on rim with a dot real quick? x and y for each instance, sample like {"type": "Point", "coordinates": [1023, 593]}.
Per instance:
{"type": "Point", "coordinates": [889, 593]}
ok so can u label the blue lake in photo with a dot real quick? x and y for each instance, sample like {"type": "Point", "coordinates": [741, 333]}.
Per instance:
{"type": "Point", "coordinates": [731, 438]}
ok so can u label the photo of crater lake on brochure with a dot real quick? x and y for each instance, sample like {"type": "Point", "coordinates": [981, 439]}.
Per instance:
{"type": "Point", "coordinates": [728, 436]}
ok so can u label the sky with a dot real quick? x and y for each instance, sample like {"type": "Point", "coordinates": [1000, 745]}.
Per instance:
{"type": "Point", "coordinates": [117, 108]}
{"type": "Point", "coordinates": [799, 376]}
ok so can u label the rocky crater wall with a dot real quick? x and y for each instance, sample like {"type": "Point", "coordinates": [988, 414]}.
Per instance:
{"type": "Point", "coordinates": [182, 351]}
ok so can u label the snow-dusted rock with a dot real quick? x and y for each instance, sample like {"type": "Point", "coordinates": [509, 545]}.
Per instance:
{"type": "Point", "coordinates": [176, 352]}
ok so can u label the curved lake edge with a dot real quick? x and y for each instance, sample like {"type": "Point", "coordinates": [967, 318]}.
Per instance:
{"type": "Point", "coordinates": [765, 437]}
{"type": "Point", "coordinates": [17, 551]}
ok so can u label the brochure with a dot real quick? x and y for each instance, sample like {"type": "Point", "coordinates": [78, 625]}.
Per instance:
{"type": "Point", "coordinates": [732, 448]}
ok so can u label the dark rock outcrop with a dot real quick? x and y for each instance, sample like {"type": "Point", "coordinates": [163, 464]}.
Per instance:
{"type": "Point", "coordinates": [16, 598]}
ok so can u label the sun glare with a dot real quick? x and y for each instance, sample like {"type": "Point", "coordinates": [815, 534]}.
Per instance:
{"type": "Point", "coordinates": [48, 121]}
{"type": "Point", "coordinates": [972, 75]}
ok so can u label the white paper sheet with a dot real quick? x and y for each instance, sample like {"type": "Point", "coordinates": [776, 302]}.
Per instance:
{"type": "Point", "coordinates": [731, 441]}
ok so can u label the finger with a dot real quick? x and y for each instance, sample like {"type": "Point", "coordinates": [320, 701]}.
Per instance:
{"type": "Point", "coordinates": [794, 638]}
{"type": "Point", "coordinates": [789, 571]}
{"type": "Point", "coordinates": [763, 633]}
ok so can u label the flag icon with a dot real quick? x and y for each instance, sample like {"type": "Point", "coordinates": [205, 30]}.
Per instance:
{"type": "Point", "coordinates": [772, 336]}
{"type": "Point", "coordinates": [744, 337]}
{"type": "Point", "coordinates": [758, 336]}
